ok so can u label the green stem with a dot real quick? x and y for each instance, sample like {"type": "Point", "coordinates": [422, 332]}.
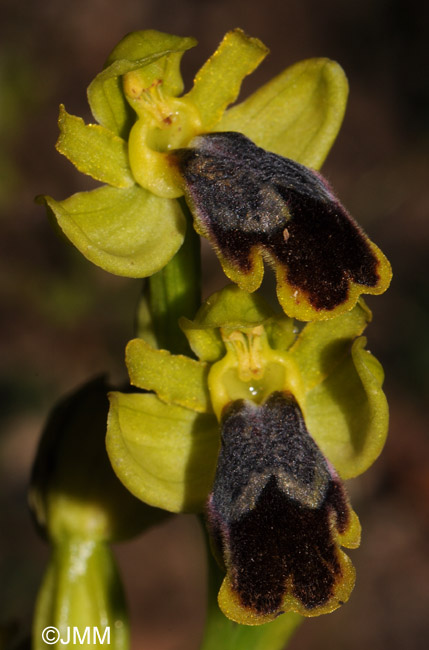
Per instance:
{"type": "Point", "coordinates": [175, 291]}
{"type": "Point", "coordinates": [222, 633]}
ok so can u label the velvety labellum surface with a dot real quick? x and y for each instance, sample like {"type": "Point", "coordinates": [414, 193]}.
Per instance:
{"type": "Point", "coordinates": [252, 203]}
{"type": "Point", "coordinates": [277, 515]}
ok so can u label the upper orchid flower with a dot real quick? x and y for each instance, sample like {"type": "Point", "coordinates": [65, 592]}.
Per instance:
{"type": "Point", "coordinates": [134, 224]}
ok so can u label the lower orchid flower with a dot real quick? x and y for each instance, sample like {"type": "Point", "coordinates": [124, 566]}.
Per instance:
{"type": "Point", "coordinates": [259, 433]}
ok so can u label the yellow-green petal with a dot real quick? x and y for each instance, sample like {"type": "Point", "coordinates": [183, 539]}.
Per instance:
{"type": "Point", "coordinates": [163, 453]}
{"type": "Point", "coordinates": [143, 49]}
{"type": "Point", "coordinates": [127, 232]}
{"type": "Point", "coordinates": [94, 150]}
{"type": "Point", "coordinates": [322, 345]}
{"type": "Point", "coordinates": [347, 413]}
{"type": "Point", "coordinates": [218, 82]}
{"type": "Point", "coordinates": [206, 344]}
{"type": "Point", "coordinates": [297, 114]}
{"type": "Point", "coordinates": [175, 378]}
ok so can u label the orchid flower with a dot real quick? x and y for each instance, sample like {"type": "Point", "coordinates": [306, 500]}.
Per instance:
{"type": "Point", "coordinates": [259, 431]}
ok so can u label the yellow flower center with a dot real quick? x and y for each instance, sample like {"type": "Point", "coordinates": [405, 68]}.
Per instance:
{"type": "Point", "coordinates": [163, 123]}
{"type": "Point", "coordinates": [251, 370]}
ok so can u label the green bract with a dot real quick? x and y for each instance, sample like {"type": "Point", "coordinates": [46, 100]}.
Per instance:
{"type": "Point", "coordinates": [82, 590]}
{"type": "Point", "coordinates": [73, 491]}
{"type": "Point", "coordinates": [133, 225]}
{"type": "Point", "coordinates": [80, 506]}
{"type": "Point", "coordinates": [163, 446]}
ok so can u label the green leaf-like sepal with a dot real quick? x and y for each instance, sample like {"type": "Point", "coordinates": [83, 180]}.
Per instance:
{"type": "Point", "coordinates": [157, 451]}
{"type": "Point", "coordinates": [321, 345]}
{"type": "Point", "coordinates": [128, 232]}
{"type": "Point", "coordinates": [148, 49]}
{"type": "Point", "coordinates": [94, 150]}
{"type": "Point", "coordinates": [347, 413]}
{"type": "Point", "coordinates": [345, 408]}
{"type": "Point", "coordinates": [297, 114]}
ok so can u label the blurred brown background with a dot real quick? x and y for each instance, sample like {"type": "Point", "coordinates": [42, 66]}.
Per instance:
{"type": "Point", "coordinates": [64, 320]}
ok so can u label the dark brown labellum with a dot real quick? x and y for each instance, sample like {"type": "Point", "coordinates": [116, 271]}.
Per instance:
{"type": "Point", "coordinates": [245, 199]}
{"type": "Point", "coordinates": [276, 508]}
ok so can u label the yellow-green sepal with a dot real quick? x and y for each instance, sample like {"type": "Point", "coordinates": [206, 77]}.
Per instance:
{"type": "Point", "coordinates": [175, 378]}
{"type": "Point", "coordinates": [345, 408]}
{"type": "Point", "coordinates": [347, 413]}
{"type": "Point", "coordinates": [94, 150]}
{"type": "Point", "coordinates": [127, 232]}
{"type": "Point", "coordinates": [218, 82]}
{"type": "Point", "coordinates": [322, 345]}
{"type": "Point", "coordinates": [158, 53]}
{"type": "Point", "coordinates": [297, 114]}
{"type": "Point", "coordinates": [163, 453]}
